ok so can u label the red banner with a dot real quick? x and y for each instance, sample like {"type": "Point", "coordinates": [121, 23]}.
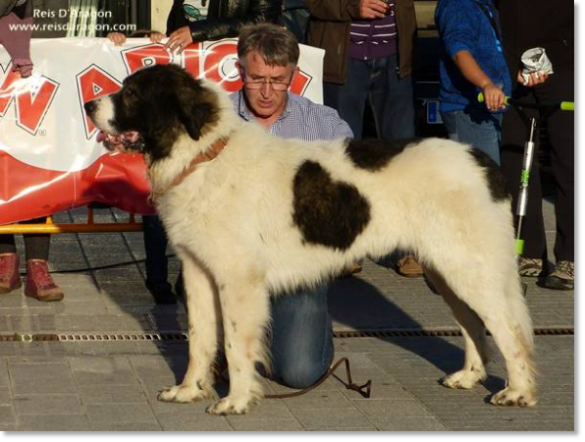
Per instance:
{"type": "Point", "coordinates": [49, 159]}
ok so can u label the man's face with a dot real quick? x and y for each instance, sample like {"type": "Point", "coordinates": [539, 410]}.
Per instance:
{"type": "Point", "coordinates": [262, 98]}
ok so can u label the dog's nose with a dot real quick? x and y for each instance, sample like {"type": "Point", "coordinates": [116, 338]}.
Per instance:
{"type": "Point", "coordinates": [90, 107]}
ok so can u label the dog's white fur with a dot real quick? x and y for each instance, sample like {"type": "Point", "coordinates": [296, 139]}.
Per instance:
{"type": "Point", "coordinates": [230, 223]}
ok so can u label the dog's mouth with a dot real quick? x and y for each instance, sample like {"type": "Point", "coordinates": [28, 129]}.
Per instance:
{"type": "Point", "coordinates": [126, 142]}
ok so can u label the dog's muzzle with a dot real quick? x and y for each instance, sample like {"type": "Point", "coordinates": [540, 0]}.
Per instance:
{"type": "Point", "coordinates": [127, 142]}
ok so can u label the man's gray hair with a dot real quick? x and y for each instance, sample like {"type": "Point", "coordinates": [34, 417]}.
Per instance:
{"type": "Point", "coordinates": [277, 45]}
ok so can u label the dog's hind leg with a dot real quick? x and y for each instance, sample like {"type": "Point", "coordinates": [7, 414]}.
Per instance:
{"type": "Point", "coordinates": [473, 332]}
{"type": "Point", "coordinates": [514, 336]}
{"type": "Point", "coordinates": [246, 314]}
{"type": "Point", "coordinates": [204, 328]}
{"type": "Point", "coordinates": [493, 292]}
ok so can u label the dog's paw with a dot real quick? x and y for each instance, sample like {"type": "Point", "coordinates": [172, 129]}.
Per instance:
{"type": "Point", "coordinates": [514, 398]}
{"type": "Point", "coordinates": [183, 394]}
{"type": "Point", "coordinates": [230, 405]}
{"type": "Point", "coordinates": [463, 379]}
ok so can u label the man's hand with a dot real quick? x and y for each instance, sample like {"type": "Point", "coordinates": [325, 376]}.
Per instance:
{"type": "Point", "coordinates": [117, 38]}
{"type": "Point", "coordinates": [179, 40]}
{"type": "Point", "coordinates": [371, 9]}
{"type": "Point", "coordinates": [535, 78]}
{"type": "Point", "coordinates": [494, 97]}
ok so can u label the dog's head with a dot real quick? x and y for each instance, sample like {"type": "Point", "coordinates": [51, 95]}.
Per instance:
{"type": "Point", "coordinates": [154, 106]}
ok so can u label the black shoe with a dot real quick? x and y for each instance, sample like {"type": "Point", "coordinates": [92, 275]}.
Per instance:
{"type": "Point", "coordinates": [162, 293]}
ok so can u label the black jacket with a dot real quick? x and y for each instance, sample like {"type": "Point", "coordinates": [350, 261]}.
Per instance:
{"type": "Point", "coordinates": [225, 17]}
{"type": "Point", "coordinates": [538, 23]}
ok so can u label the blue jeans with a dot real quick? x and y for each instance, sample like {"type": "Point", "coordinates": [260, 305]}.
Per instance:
{"type": "Point", "coordinates": [480, 129]}
{"type": "Point", "coordinates": [377, 82]}
{"type": "Point", "coordinates": [302, 337]}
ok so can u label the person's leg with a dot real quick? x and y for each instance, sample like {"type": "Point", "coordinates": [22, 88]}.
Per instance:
{"type": "Point", "coordinates": [514, 136]}
{"type": "Point", "coordinates": [480, 130]}
{"type": "Point", "coordinates": [392, 100]}
{"type": "Point", "coordinates": [7, 244]}
{"type": "Point", "coordinates": [349, 99]}
{"type": "Point", "coordinates": [301, 338]}
{"type": "Point", "coordinates": [36, 245]}
{"type": "Point", "coordinates": [9, 265]}
{"type": "Point", "coordinates": [156, 263]}
{"type": "Point", "coordinates": [39, 282]}
{"type": "Point", "coordinates": [561, 133]}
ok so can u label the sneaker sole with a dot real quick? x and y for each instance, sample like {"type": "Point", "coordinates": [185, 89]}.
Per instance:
{"type": "Point", "coordinates": [6, 291]}
{"type": "Point", "coordinates": [50, 298]}
{"type": "Point", "coordinates": [411, 275]}
{"type": "Point", "coordinates": [531, 273]}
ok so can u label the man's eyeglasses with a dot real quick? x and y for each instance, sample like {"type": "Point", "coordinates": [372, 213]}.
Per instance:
{"type": "Point", "coordinates": [258, 83]}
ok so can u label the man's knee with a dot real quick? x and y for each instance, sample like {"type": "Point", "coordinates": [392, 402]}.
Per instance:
{"type": "Point", "coordinates": [302, 373]}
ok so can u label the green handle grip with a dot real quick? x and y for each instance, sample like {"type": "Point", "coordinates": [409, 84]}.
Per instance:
{"type": "Point", "coordinates": [481, 98]}
{"type": "Point", "coordinates": [563, 105]}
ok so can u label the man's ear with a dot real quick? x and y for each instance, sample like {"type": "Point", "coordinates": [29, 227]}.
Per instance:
{"type": "Point", "coordinates": [240, 69]}
{"type": "Point", "coordinates": [295, 72]}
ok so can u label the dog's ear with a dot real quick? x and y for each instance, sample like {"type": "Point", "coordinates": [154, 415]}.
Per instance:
{"type": "Point", "coordinates": [194, 109]}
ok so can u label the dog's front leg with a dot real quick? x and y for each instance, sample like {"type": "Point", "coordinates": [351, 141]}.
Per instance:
{"type": "Point", "coordinates": [203, 336]}
{"type": "Point", "coordinates": [245, 309]}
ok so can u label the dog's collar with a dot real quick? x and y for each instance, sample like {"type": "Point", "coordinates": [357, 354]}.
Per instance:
{"type": "Point", "coordinates": [203, 157]}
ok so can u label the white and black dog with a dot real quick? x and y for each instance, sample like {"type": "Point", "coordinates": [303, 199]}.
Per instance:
{"type": "Point", "coordinates": [250, 214]}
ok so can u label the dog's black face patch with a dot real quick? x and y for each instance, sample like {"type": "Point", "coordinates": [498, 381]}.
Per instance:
{"type": "Point", "coordinates": [160, 103]}
{"type": "Point", "coordinates": [328, 213]}
{"type": "Point", "coordinates": [496, 181]}
{"type": "Point", "coordinates": [374, 154]}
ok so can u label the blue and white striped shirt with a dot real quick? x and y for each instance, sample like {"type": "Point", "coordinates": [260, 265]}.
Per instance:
{"type": "Point", "coordinates": [300, 119]}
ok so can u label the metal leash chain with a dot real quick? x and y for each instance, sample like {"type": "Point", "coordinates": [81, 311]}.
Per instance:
{"type": "Point", "coordinates": [364, 389]}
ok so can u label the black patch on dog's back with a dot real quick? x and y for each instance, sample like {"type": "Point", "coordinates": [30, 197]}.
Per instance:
{"type": "Point", "coordinates": [374, 154]}
{"type": "Point", "coordinates": [328, 213]}
{"type": "Point", "coordinates": [494, 176]}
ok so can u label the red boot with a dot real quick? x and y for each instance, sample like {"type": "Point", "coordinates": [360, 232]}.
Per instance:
{"type": "Point", "coordinates": [9, 274]}
{"type": "Point", "coordinates": [39, 283]}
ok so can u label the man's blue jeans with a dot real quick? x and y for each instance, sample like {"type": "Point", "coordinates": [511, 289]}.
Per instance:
{"type": "Point", "coordinates": [480, 129]}
{"type": "Point", "coordinates": [375, 81]}
{"type": "Point", "coordinates": [301, 337]}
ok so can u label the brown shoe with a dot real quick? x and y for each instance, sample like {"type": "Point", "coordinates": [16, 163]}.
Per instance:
{"type": "Point", "coordinates": [408, 267]}
{"type": "Point", "coordinates": [350, 270]}
{"type": "Point", "coordinates": [562, 277]}
{"type": "Point", "coordinates": [39, 283]}
{"type": "Point", "coordinates": [9, 274]}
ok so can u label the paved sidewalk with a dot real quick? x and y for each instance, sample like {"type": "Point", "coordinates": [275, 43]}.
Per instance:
{"type": "Point", "coordinates": [93, 385]}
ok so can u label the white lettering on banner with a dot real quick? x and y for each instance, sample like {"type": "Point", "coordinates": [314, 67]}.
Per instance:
{"type": "Point", "coordinates": [44, 113]}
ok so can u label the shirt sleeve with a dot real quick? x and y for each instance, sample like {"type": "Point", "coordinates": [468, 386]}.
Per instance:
{"type": "Point", "coordinates": [337, 128]}
{"type": "Point", "coordinates": [456, 26]}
